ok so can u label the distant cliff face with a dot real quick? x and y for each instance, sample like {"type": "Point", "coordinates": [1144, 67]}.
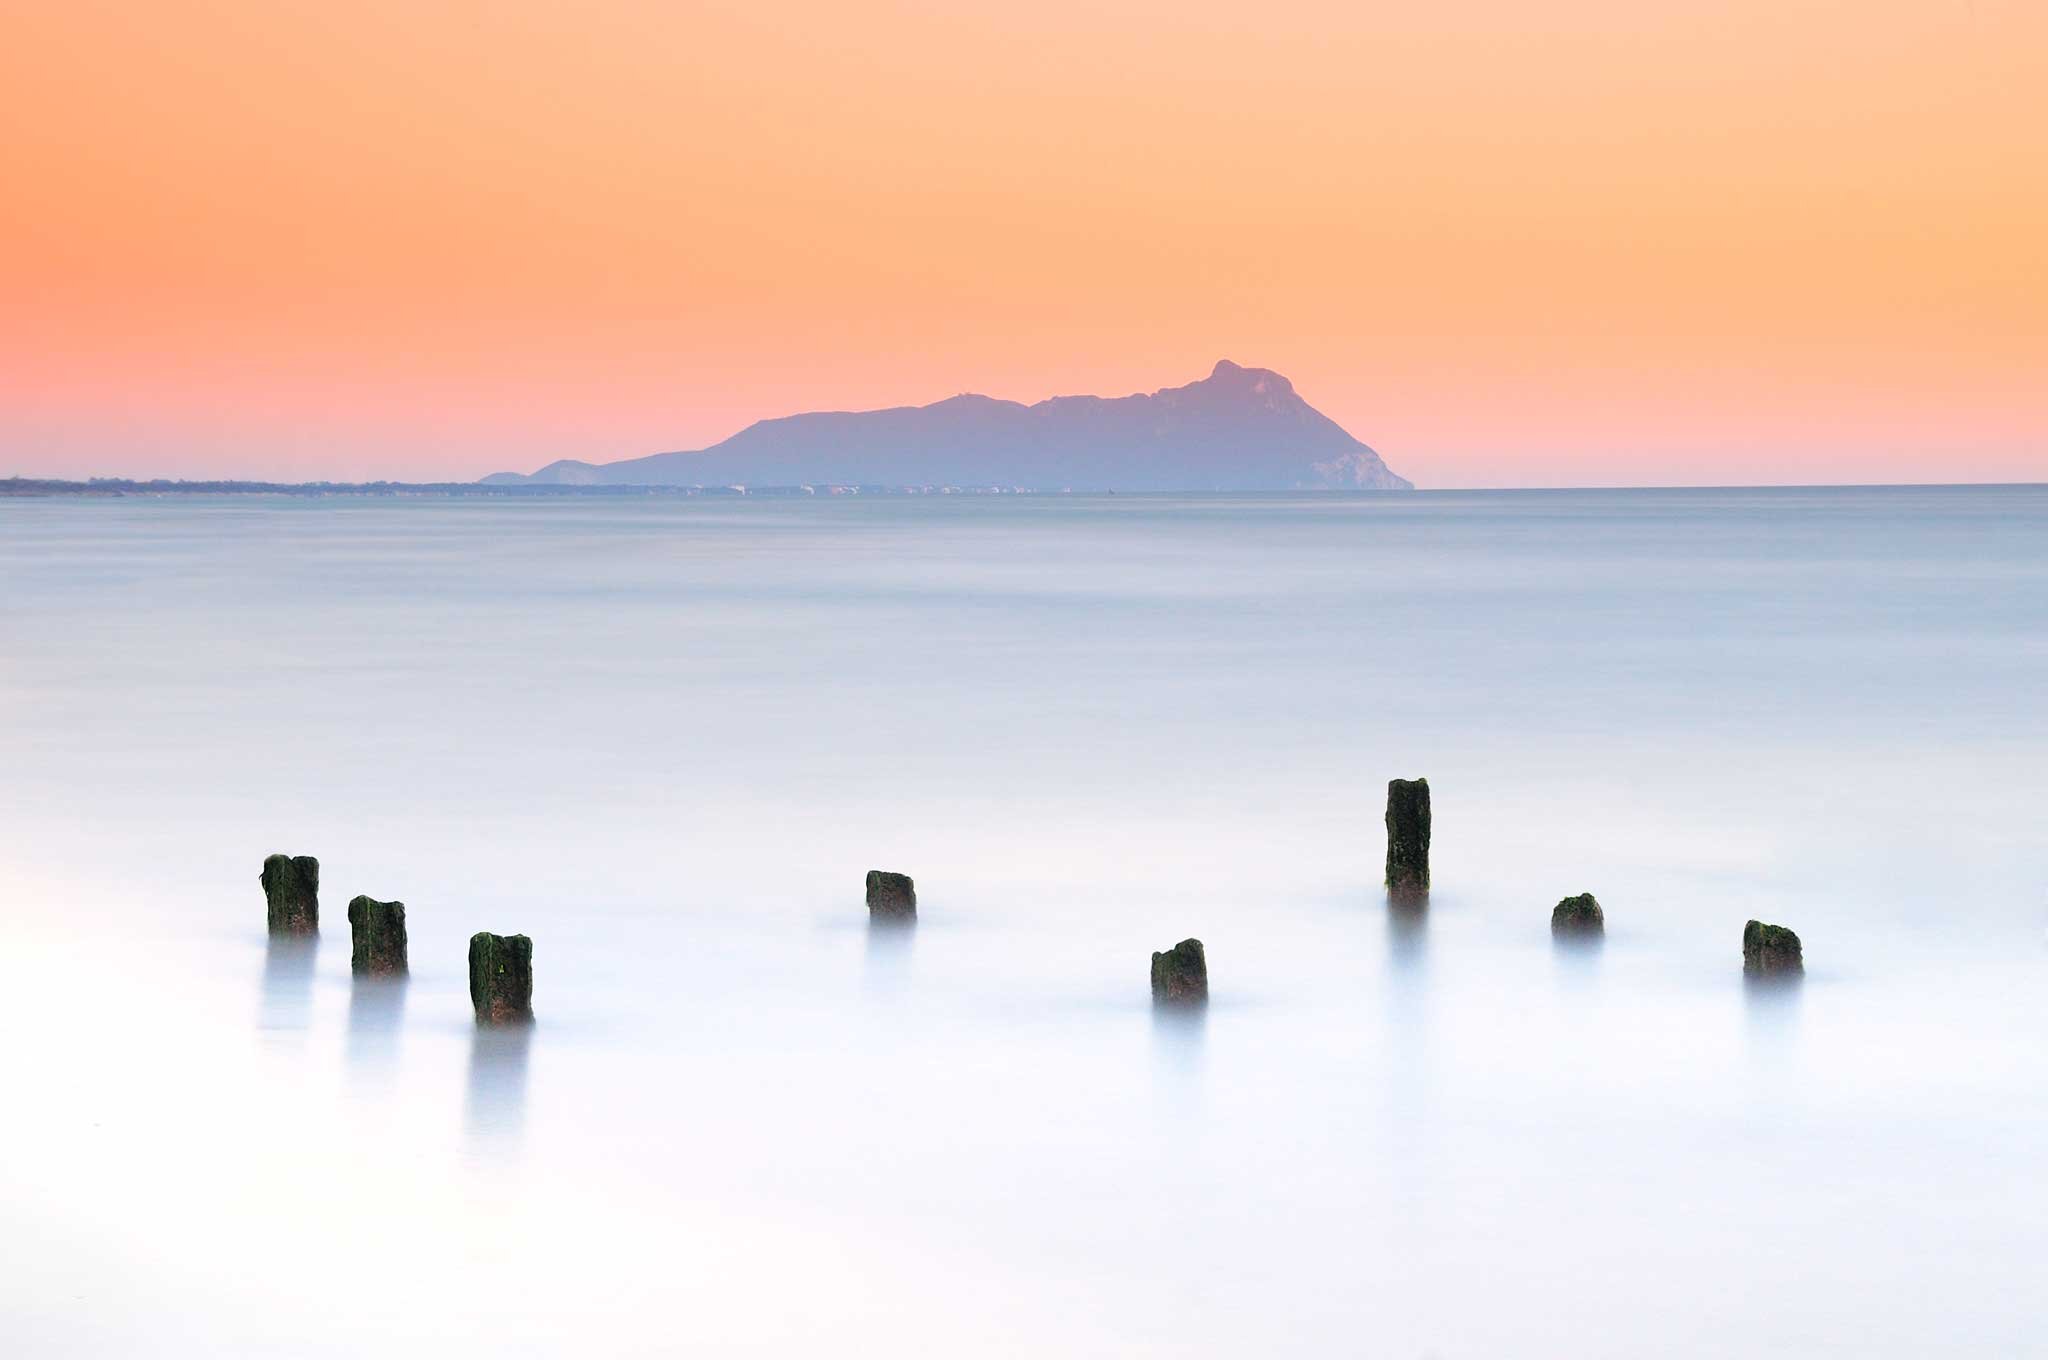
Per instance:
{"type": "Point", "coordinates": [1239, 429]}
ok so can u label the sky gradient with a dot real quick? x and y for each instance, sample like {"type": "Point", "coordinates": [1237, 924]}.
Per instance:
{"type": "Point", "coordinates": [1582, 242]}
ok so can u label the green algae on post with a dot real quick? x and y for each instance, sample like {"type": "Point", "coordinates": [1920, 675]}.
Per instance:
{"type": "Point", "coordinates": [291, 894]}
{"type": "Point", "coordinates": [1579, 918]}
{"type": "Point", "coordinates": [1768, 950]}
{"type": "Point", "coordinates": [1408, 839]}
{"type": "Point", "coordinates": [377, 930]}
{"type": "Point", "coordinates": [501, 978]}
{"type": "Point", "coordinates": [891, 897]}
{"type": "Point", "coordinates": [1180, 975]}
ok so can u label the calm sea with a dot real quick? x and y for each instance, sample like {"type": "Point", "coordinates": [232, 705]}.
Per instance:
{"type": "Point", "coordinates": [667, 738]}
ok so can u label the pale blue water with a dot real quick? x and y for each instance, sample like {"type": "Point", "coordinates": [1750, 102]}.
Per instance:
{"type": "Point", "coordinates": [667, 738]}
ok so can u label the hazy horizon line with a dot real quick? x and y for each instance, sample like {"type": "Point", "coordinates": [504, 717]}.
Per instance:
{"type": "Point", "coordinates": [259, 485]}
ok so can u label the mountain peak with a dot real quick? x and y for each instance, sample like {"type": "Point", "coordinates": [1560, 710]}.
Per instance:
{"type": "Point", "coordinates": [1239, 429]}
{"type": "Point", "coordinates": [1263, 382]}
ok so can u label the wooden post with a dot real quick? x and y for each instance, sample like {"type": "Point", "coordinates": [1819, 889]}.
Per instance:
{"type": "Point", "coordinates": [501, 978]}
{"type": "Point", "coordinates": [1408, 839]}
{"type": "Point", "coordinates": [378, 931]}
{"type": "Point", "coordinates": [891, 897]}
{"type": "Point", "coordinates": [1180, 975]}
{"type": "Point", "coordinates": [1578, 918]}
{"type": "Point", "coordinates": [1770, 951]}
{"type": "Point", "coordinates": [291, 892]}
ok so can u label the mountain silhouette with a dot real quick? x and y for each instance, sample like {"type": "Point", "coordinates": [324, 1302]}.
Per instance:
{"type": "Point", "coordinates": [1239, 429]}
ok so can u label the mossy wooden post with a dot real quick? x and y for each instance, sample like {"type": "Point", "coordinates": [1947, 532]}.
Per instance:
{"type": "Point", "coordinates": [1578, 918]}
{"type": "Point", "coordinates": [291, 893]}
{"type": "Point", "coordinates": [1770, 951]}
{"type": "Point", "coordinates": [378, 931]}
{"type": "Point", "coordinates": [501, 978]}
{"type": "Point", "coordinates": [1180, 975]}
{"type": "Point", "coordinates": [891, 897]}
{"type": "Point", "coordinates": [1408, 839]}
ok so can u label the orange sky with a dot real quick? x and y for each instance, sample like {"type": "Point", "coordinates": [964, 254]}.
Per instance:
{"type": "Point", "coordinates": [1506, 243]}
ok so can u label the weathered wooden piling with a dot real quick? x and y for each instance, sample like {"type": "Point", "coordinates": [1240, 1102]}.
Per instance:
{"type": "Point", "coordinates": [1578, 918]}
{"type": "Point", "coordinates": [501, 978]}
{"type": "Point", "coordinates": [1770, 951]}
{"type": "Point", "coordinates": [1408, 839]}
{"type": "Point", "coordinates": [291, 893]}
{"type": "Point", "coordinates": [378, 932]}
{"type": "Point", "coordinates": [1180, 975]}
{"type": "Point", "coordinates": [891, 897]}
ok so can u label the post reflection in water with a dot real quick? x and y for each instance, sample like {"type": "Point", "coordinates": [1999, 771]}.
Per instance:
{"type": "Point", "coordinates": [1179, 1033]}
{"type": "Point", "coordinates": [1407, 939]}
{"type": "Point", "coordinates": [495, 1113]}
{"type": "Point", "coordinates": [1578, 959]}
{"type": "Point", "coordinates": [1771, 1009]}
{"type": "Point", "coordinates": [285, 1001]}
{"type": "Point", "coordinates": [1777, 1087]}
{"type": "Point", "coordinates": [888, 959]}
{"type": "Point", "coordinates": [376, 1016]}
{"type": "Point", "coordinates": [1407, 1136]}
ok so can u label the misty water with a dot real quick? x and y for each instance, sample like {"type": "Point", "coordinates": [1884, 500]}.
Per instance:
{"type": "Point", "coordinates": [666, 738]}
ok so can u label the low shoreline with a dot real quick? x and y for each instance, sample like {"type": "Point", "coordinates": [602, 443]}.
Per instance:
{"type": "Point", "coordinates": [24, 487]}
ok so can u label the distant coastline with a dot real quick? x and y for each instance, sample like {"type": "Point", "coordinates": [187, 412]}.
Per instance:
{"type": "Point", "coordinates": [27, 488]}
{"type": "Point", "coordinates": [24, 487]}
{"type": "Point", "coordinates": [1239, 429]}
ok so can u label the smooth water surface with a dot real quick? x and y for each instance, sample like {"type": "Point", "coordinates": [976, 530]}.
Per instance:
{"type": "Point", "coordinates": [667, 738]}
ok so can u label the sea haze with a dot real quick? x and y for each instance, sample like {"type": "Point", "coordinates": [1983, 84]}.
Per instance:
{"type": "Point", "coordinates": [667, 738]}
